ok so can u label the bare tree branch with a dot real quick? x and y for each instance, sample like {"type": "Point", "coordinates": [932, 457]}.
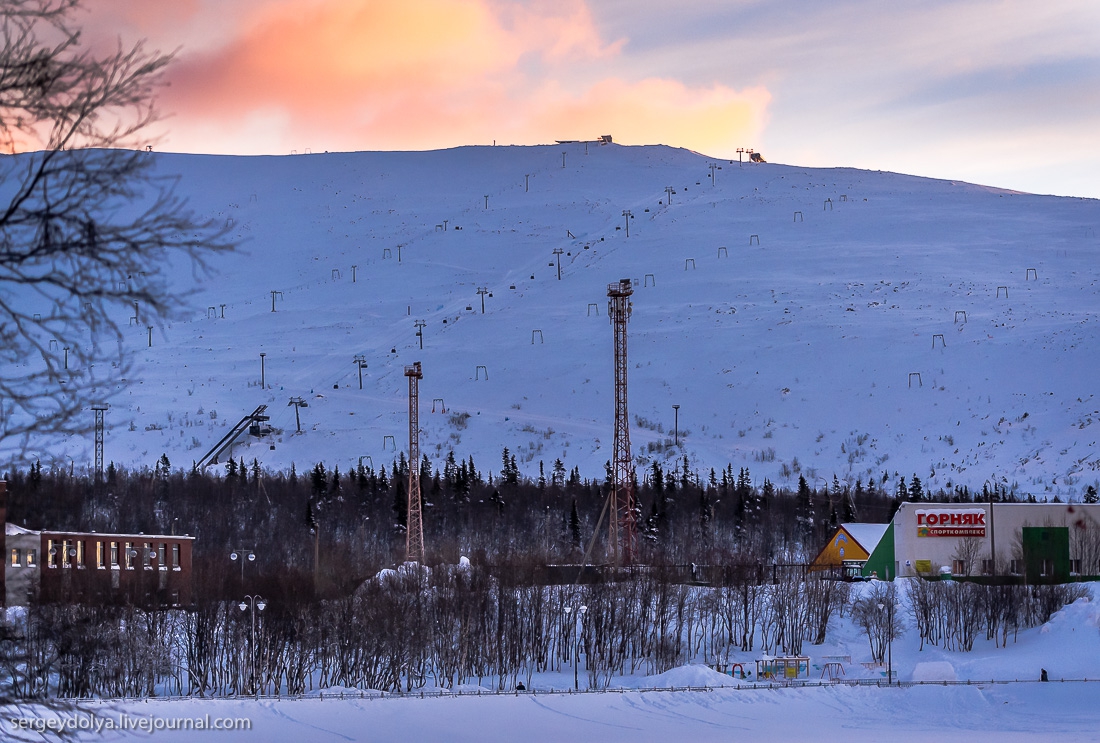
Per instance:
{"type": "Point", "coordinates": [87, 225]}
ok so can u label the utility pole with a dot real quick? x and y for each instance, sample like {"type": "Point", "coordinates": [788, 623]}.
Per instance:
{"type": "Point", "coordinates": [628, 215]}
{"type": "Point", "coordinates": [622, 528]}
{"type": "Point", "coordinates": [483, 290]}
{"type": "Point", "coordinates": [676, 425]}
{"type": "Point", "coordinates": [557, 257]}
{"type": "Point", "coordinates": [274, 295]}
{"type": "Point", "coordinates": [420, 324]}
{"type": "Point", "coordinates": [414, 534]}
{"type": "Point", "coordinates": [99, 409]}
{"type": "Point", "coordinates": [298, 404]}
{"type": "Point", "coordinates": [739, 151]}
{"type": "Point", "coordinates": [361, 362]}
{"type": "Point", "coordinates": [263, 371]}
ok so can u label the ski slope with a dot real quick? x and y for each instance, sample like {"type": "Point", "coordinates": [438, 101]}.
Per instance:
{"type": "Point", "coordinates": [807, 321]}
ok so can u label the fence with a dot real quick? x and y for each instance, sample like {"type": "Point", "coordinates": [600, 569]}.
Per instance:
{"type": "Point", "coordinates": [448, 693]}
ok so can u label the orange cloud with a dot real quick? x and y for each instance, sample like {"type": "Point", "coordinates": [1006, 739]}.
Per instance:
{"type": "Point", "coordinates": [412, 74]}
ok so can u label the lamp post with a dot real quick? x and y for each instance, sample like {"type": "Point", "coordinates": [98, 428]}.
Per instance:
{"type": "Point", "coordinates": [242, 554]}
{"type": "Point", "coordinates": [578, 628]}
{"type": "Point", "coordinates": [253, 602]}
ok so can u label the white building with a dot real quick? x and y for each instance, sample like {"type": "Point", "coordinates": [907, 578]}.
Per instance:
{"type": "Point", "coordinates": [1038, 542]}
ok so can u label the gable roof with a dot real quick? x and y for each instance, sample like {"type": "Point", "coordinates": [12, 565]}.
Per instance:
{"type": "Point", "coordinates": [867, 535]}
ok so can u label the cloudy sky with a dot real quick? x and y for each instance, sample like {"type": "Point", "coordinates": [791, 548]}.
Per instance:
{"type": "Point", "coordinates": [1000, 92]}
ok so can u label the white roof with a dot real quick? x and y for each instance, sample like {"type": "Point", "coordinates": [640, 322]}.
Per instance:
{"type": "Point", "coordinates": [13, 530]}
{"type": "Point", "coordinates": [868, 535]}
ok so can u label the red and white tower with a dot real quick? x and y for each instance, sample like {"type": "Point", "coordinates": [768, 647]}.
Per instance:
{"type": "Point", "coordinates": [623, 534]}
{"type": "Point", "coordinates": [414, 536]}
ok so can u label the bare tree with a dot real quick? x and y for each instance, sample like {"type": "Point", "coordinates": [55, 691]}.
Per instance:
{"type": "Point", "coordinates": [87, 225]}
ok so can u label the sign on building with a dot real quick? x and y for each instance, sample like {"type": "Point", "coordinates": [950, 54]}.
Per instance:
{"type": "Point", "coordinates": [951, 522]}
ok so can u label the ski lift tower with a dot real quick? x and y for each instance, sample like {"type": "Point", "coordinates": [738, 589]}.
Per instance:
{"type": "Point", "coordinates": [414, 536]}
{"type": "Point", "coordinates": [622, 537]}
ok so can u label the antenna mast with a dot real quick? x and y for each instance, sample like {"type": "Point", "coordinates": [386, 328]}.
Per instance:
{"type": "Point", "coordinates": [622, 537]}
{"type": "Point", "coordinates": [414, 536]}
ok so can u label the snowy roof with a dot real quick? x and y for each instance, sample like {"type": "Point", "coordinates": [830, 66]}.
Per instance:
{"type": "Point", "coordinates": [12, 530]}
{"type": "Point", "coordinates": [868, 535]}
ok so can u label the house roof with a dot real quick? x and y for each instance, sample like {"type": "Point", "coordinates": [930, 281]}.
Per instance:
{"type": "Point", "coordinates": [11, 529]}
{"type": "Point", "coordinates": [868, 535]}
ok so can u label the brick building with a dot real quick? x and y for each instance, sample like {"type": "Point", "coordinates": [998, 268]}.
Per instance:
{"type": "Point", "coordinates": [90, 567]}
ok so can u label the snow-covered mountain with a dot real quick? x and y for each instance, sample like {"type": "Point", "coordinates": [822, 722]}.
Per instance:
{"type": "Point", "coordinates": [822, 321]}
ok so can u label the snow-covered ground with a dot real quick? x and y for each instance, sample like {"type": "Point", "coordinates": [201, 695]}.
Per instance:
{"type": "Point", "coordinates": [1068, 647]}
{"type": "Point", "coordinates": [788, 311]}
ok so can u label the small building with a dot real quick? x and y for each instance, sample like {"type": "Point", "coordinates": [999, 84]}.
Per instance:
{"type": "Point", "coordinates": [1027, 542]}
{"type": "Point", "coordinates": [848, 549]}
{"type": "Point", "coordinates": [86, 567]}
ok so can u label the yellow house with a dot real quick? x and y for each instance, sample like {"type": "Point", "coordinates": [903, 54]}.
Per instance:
{"type": "Point", "coordinates": [849, 547]}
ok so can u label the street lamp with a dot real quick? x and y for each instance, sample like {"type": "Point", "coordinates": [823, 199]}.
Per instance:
{"type": "Point", "coordinates": [255, 603]}
{"type": "Point", "coordinates": [578, 628]}
{"type": "Point", "coordinates": [243, 555]}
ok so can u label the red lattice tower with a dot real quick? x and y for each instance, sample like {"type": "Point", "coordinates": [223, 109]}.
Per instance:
{"type": "Point", "coordinates": [414, 537]}
{"type": "Point", "coordinates": [623, 533]}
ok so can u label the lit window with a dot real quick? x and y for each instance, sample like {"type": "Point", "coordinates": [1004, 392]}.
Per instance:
{"type": "Point", "coordinates": [114, 554]}
{"type": "Point", "coordinates": [147, 555]}
{"type": "Point", "coordinates": [51, 553]}
{"type": "Point", "coordinates": [67, 553]}
{"type": "Point", "coordinates": [80, 553]}
{"type": "Point", "coordinates": [15, 558]}
{"type": "Point", "coordinates": [100, 556]}
{"type": "Point", "coordinates": [129, 554]}
{"type": "Point", "coordinates": [32, 558]}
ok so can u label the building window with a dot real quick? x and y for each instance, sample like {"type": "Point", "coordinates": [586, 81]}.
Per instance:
{"type": "Point", "coordinates": [100, 556]}
{"type": "Point", "coordinates": [129, 554]}
{"type": "Point", "coordinates": [147, 556]}
{"type": "Point", "coordinates": [80, 553]}
{"type": "Point", "coordinates": [114, 554]}
{"type": "Point", "coordinates": [1075, 567]}
{"type": "Point", "coordinates": [958, 567]}
{"type": "Point", "coordinates": [1016, 567]}
{"type": "Point", "coordinates": [16, 560]}
{"type": "Point", "coordinates": [32, 558]}
{"type": "Point", "coordinates": [51, 553]}
{"type": "Point", "coordinates": [987, 567]}
{"type": "Point", "coordinates": [67, 553]}
{"type": "Point", "coordinates": [1047, 567]}
{"type": "Point", "coordinates": [175, 557]}
{"type": "Point", "coordinates": [162, 556]}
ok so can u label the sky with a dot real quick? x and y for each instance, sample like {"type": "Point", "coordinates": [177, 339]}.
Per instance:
{"type": "Point", "coordinates": [998, 92]}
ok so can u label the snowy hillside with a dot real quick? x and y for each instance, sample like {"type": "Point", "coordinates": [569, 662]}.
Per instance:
{"type": "Point", "coordinates": [787, 311]}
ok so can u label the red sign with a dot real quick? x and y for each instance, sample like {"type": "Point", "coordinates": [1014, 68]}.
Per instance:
{"type": "Point", "coordinates": [951, 523]}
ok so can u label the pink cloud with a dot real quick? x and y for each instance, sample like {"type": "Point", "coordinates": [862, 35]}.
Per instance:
{"type": "Point", "coordinates": [412, 74]}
